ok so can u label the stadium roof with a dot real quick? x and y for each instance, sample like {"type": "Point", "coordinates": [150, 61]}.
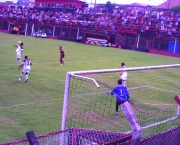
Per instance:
{"type": "Point", "coordinates": [169, 4]}
{"type": "Point", "coordinates": [139, 5]}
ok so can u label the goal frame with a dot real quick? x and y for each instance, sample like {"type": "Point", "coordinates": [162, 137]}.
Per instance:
{"type": "Point", "coordinates": [79, 73]}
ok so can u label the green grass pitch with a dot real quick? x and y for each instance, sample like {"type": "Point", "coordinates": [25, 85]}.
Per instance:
{"type": "Point", "coordinates": [37, 105]}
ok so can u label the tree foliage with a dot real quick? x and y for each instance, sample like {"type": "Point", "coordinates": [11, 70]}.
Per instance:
{"type": "Point", "coordinates": [110, 7]}
{"type": "Point", "coordinates": [176, 9]}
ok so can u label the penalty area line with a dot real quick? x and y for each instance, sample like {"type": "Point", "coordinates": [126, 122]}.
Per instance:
{"type": "Point", "coordinates": [26, 104]}
{"type": "Point", "coordinates": [155, 124]}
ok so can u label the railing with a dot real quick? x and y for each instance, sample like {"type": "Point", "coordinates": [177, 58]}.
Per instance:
{"type": "Point", "coordinates": [134, 39]}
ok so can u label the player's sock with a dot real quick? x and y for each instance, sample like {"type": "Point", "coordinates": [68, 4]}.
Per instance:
{"type": "Point", "coordinates": [19, 61]}
{"type": "Point", "coordinates": [26, 79]}
{"type": "Point", "coordinates": [20, 76]}
{"type": "Point", "coordinates": [19, 79]}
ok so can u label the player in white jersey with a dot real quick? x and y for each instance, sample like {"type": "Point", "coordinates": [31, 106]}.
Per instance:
{"type": "Point", "coordinates": [22, 48]}
{"type": "Point", "coordinates": [19, 49]}
{"type": "Point", "coordinates": [124, 74]}
{"type": "Point", "coordinates": [27, 66]}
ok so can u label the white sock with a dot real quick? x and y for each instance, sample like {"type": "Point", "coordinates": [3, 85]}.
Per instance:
{"type": "Point", "coordinates": [20, 76]}
{"type": "Point", "coordinates": [19, 61]}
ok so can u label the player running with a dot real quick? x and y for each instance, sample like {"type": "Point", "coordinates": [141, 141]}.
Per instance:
{"type": "Point", "coordinates": [27, 66]}
{"type": "Point", "coordinates": [122, 94]}
{"type": "Point", "coordinates": [62, 55]}
{"type": "Point", "coordinates": [124, 74]}
{"type": "Point", "coordinates": [19, 49]}
{"type": "Point", "coordinates": [22, 47]}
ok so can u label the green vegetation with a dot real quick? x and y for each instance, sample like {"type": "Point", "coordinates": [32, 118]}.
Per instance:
{"type": "Point", "coordinates": [176, 9]}
{"type": "Point", "coordinates": [37, 105]}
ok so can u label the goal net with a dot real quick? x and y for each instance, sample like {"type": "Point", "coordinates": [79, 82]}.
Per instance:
{"type": "Point", "coordinates": [88, 104]}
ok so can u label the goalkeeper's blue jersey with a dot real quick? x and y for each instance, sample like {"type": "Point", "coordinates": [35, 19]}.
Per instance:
{"type": "Point", "coordinates": [121, 92]}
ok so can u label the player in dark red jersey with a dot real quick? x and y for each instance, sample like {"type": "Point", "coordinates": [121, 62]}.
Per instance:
{"type": "Point", "coordinates": [62, 55]}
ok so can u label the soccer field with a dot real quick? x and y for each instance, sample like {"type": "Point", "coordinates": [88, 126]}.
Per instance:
{"type": "Point", "coordinates": [37, 105]}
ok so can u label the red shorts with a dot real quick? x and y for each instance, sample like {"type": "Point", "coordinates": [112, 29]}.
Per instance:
{"type": "Point", "coordinates": [61, 57]}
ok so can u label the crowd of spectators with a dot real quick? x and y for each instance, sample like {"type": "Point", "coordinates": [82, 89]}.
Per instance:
{"type": "Point", "coordinates": [137, 19]}
{"type": "Point", "coordinates": [162, 22]}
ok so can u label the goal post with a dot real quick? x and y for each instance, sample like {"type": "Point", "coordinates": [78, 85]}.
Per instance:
{"type": "Point", "coordinates": [65, 104]}
{"type": "Point", "coordinates": [87, 103]}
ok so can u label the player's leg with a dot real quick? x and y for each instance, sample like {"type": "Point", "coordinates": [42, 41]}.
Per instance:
{"type": "Point", "coordinates": [117, 106]}
{"type": "Point", "coordinates": [61, 61]}
{"type": "Point", "coordinates": [21, 75]}
{"type": "Point", "coordinates": [26, 74]}
{"type": "Point", "coordinates": [18, 56]}
{"type": "Point", "coordinates": [124, 82]}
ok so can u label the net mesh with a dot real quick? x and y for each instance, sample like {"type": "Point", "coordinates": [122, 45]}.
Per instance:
{"type": "Point", "coordinates": [152, 94]}
{"type": "Point", "coordinates": [76, 136]}
{"type": "Point", "coordinates": [170, 137]}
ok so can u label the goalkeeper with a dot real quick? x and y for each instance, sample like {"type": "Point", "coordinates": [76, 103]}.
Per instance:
{"type": "Point", "coordinates": [122, 94]}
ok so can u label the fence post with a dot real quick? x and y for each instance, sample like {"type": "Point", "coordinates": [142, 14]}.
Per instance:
{"type": "Point", "coordinates": [137, 45]}
{"type": "Point", "coordinates": [32, 29]}
{"type": "Point", "coordinates": [77, 34]}
{"type": "Point", "coordinates": [9, 25]}
{"type": "Point", "coordinates": [133, 122]}
{"type": "Point", "coordinates": [175, 45]}
{"type": "Point", "coordinates": [54, 29]}
{"type": "Point", "coordinates": [26, 29]}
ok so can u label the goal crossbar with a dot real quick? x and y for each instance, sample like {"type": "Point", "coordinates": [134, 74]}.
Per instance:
{"type": "Point", "coordinates": [120, 70]}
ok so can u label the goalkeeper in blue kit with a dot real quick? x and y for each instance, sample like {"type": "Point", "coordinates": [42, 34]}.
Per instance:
{"type": "Point", "coordinates": [122, 94]}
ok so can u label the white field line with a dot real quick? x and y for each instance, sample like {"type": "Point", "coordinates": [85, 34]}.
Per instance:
{"type": "Point", "coordinates": [162, 89]}
{"type": "Point", "coordinates": [30, 103]}
{"type": "Point", "coordinates": [138, 87]}
{"type": "Point", "coordinates": [157, 123]}
{"type": "Point", "coordinates": [158, 104]}
{"type": "Point", "coordinates": [57, 62]}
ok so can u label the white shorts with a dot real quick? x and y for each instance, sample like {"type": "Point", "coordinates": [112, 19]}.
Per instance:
{"type": "Point", "coordinates": [18, 55]}
{"type": "Point", "coordinates": [25, 70]}
{"type": "Point", "coordinates": [124, 77]}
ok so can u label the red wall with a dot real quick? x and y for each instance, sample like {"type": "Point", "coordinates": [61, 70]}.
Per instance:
{"type": "Point", "coordinates": [76, 2]}
{"type": "Point", "coordinates": [164, 53]}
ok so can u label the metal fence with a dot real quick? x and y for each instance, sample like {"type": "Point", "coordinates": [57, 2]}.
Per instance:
{"type": "Point", "coordinates": [141, 41]}
{"type": "Point", "coordinates": [147, 41]}
{"type": "Point", "coordinates": [65, 32]}
{"type": "Point", "coordinates": [170, 137]}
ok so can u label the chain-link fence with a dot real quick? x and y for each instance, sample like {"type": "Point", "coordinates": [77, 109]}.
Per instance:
{"type": "Point", "coordinates": [170, 137]}
{"type": "Point", "coordinates": [4, 25]}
